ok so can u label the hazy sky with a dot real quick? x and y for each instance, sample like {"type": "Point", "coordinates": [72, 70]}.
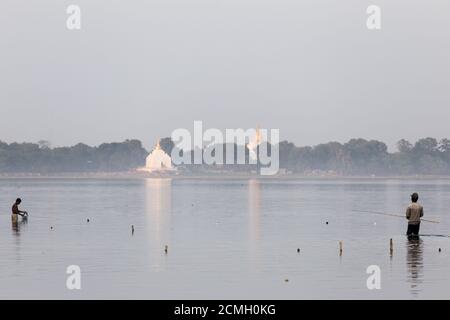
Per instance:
{"type": "Point", "coordinates": [139, 69]}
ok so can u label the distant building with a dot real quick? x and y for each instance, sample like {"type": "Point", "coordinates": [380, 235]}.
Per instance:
{"type": "Point", "coordinates": [158, 161]}
{"type": "Point", "coordinates": [253, 147]}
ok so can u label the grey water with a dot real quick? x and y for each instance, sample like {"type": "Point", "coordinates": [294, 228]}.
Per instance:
{"type": "Point", "coordinates": [226, 238]}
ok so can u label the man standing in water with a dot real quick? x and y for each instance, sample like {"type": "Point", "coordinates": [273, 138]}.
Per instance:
{"type": "Point", "coordinates": [413, 213]}
{"type": "Point", "coordinates": [16, 212]}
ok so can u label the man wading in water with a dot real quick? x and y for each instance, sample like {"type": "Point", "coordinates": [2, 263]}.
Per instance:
{"type": "Point", "coordinates": [413, 213]}
{"type": "Point", "coordinates": [16, 212]}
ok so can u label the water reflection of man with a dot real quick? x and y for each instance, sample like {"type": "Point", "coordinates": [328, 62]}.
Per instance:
{"type": "Point", "coordinates": [414, 261]}
{"type": "Point", "coordinates": [17, 225]}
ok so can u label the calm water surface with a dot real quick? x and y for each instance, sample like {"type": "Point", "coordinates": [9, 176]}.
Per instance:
{"type": "Point", "coordinates": [226, 239]}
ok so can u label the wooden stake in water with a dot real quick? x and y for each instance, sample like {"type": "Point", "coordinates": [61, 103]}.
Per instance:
{"type": "Point", "coordinates": [391, 247]}
{"type": "Point", "coordinates": [340, 248]}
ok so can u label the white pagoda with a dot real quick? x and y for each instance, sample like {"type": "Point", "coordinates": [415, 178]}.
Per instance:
{"type": "Point", "coordinates": [157, 161]}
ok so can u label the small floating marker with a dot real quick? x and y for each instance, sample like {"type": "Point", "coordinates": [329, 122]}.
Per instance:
{"type": "Point", "coordinates": [298, 250]}
{"type": "Point", "coordinates": [391, 246]}
{"type": "Point", "coordinates": [286, 280]}
{"type": "Point", "coordinates": [132, 229]}
{"type": "Point", "coordinates": [326, 222]}
{"type": "Point", "coordinates": [51, 228]}
{"type": "Point", "coordinates": [340, 248]}
{"type": "Point", "coordinates": [440, 249]}
{"type": "Point", "coordinates": [87, 220]}
{"type": "Point", "coordinates": [166, 249]}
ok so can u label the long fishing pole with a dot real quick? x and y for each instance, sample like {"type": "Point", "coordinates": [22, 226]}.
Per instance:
{"type": "Point", "coordinates": [392, 215]}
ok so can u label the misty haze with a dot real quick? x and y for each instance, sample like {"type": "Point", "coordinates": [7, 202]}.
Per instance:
{"type": "Point", "coordinates": [94, 203]}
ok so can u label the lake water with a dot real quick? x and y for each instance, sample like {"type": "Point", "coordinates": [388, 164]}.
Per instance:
{"type": "Point", "coordinates": [226, 238]}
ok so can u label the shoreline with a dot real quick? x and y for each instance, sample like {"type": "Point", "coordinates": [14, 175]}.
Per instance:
{"type": "Point", "coordinates": [246, 176]}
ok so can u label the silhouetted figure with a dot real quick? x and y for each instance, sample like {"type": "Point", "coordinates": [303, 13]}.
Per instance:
{"type": "Point", "coordinates": [413, 213]}
{"type": "Point", "coordinates": [16, 212]}
{"type": "Point", "coordinates": [15, 216]}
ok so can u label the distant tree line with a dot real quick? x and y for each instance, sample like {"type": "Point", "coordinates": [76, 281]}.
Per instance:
{"type": "Point", "coordinates": [40, 158]}
{"type": "Point", "coordinates": [427, 156]}
{"type": "Point", "coordinates": [362, 157]}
